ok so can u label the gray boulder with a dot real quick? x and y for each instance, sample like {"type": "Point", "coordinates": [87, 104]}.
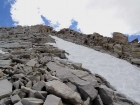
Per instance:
{"type": "Point", "coordinates": [39, 95]}
{"type": "Point", "coordinates": [15, 99]}
{"type": "Point", "coordinates": [32, 62]}
{"type": "Point", "coordinates": [92, 79]}
{"type": "Point", "coordinates": [5, 63]}
{"type": "Point", "coordinates": [64, 73]}
{"type": "Point", "coordinates": [38, 86]}
{"type": "Point", "coordinates": [60, 89]}
{"type": "Point", "coordinates": [79, 73]}
{"type": "Point", "coordinates": [106, 95]}
{"type": "Point", "coordinates": [88, 91]}
{"type": "Point", "coordinates": [5, 101]}
{"type": "Point", "coordinates": [29, 91]}
{"type": "Point", "coordinates": [5, 88]}
{"type": "Point", "coordinates": [54, 100]}
{"type": "Point", "coordinates": [16, 84]}
{"type": "Point", "coordinates": [72, 86]}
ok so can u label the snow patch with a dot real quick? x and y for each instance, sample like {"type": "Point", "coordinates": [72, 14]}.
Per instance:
{"type": "Point", "coordinates": [2, 52]}
{"type": "Point", "coordinates": [120, 73]}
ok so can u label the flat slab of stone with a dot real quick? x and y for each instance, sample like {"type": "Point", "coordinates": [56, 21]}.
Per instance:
{"type": "Point", "coordinates": [88, 91]}
{"type": "Point", "coordinates": [18, 103]}
{"type": "Point", "coordinates": [5, 88]}
{"type": "Point", "coordinates": [65, 73]}
{"type": "Point", "coordinates": [91, 79]}
{"type": "Point", "coordinates": [15, 99]}
{"type": "Point", "coordinates": [106, 95]}
{"type": "Point", "coordinates": [54, 100]}
{"type": "Point", "coordinates": [62, 90]}
{"type": "Point", "coordinates": [32, 62]}
{"type": "Point", "coordinates": [12, 45]}
{"type": "Point", "coordinates": [72, 86]}
{"type": "Point", "coordinates": [38, 86]}
{"type": "Point", "coordinates": [31, 101]}
{"type": "Point", "coordinates": [135, 61]}
{"type": "Point", "coordinates": [77, 65]}
{"type": "Point", "coordinates": [4, 63]}
{"type": "Point", "coordinates": [79, 73]}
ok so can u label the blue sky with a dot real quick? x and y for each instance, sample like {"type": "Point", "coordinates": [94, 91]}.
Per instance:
{"type": "Point", "coordinates": [5, 17]}
{"type": "Point", "coordinates": [85, 18]}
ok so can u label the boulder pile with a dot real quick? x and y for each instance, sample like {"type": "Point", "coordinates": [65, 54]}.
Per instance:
{"type": "Point", "coordinates": [117, 46]}
{"type": "Point", "coordinates": [35, 73]}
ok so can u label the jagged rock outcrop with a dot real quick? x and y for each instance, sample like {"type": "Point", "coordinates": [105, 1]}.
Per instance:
{"type": "Point", "coordinates": [35, 73]}
{"type": "Point", "coordinates": [120, 37]}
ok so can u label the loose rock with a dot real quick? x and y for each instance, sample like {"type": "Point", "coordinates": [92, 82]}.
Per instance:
{"type": "Point", "coordinates": [60, 89]}
{"type": "Point", "coordinates": [53, 100]}
{"type": "Point", "coordinates": [5, 88]}
{"type": "Point", "coordinates": [31, 101]}
{"type": "Point", "coordinates": [15, 99]}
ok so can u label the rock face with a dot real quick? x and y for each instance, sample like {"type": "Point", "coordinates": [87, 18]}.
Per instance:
{"type": "Point", "coordinates": [35, 73]}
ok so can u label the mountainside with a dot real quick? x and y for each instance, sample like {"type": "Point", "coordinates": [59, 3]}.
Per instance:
{"type": "Point", "coordinates": [117, 46]}
{"type": "Point", "coordinates": [33, 72]}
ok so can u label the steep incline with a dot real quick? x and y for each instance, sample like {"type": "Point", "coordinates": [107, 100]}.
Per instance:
{"type": "Point", "coordinates": [121, 74]}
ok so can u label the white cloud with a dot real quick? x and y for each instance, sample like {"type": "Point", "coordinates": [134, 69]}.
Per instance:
{"type": "Point", "coordinates": [102, 16]}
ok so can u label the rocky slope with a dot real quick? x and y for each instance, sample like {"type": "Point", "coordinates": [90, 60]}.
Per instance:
{"type": "Point", "coordinates": [117, 46]}
{"type": "Point", "coordinates": [35, 73]}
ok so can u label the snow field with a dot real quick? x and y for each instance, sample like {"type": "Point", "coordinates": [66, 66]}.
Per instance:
{"type": "Point", "coordinates": [124, 76]}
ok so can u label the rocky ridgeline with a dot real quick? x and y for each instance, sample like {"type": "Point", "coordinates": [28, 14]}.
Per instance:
{"type": "Point", "coordinates": [35, 73]}
{"type": "Point", "coordinates": [117, 46]}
